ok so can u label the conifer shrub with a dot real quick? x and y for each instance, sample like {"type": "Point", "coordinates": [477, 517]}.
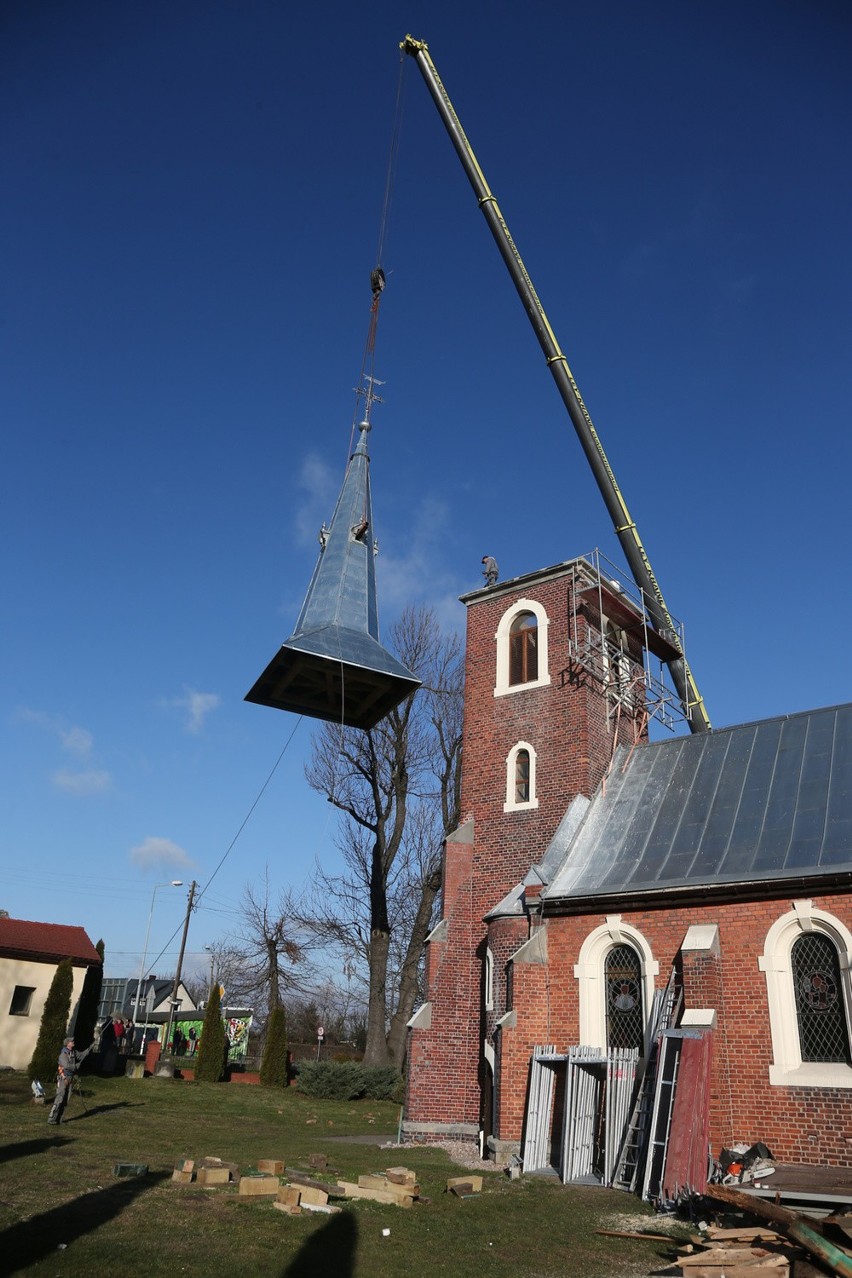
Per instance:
{"type": "Point", "coordinates": [54, 1026]}
{"type": "Point", "coordinates": [87, 1009]}
{"type": "Point", "coordinates": [349, 1080]}
{"type": "Point", "coordinates": [273, 1065]}
{"type": "Point", "coordinates": [210, 1059]}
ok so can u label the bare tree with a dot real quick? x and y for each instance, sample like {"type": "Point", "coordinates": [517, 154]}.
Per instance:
{"type": "Point", "coordinates": [398, 786]}
{"type": "Point", "coordinates": [266, 957]}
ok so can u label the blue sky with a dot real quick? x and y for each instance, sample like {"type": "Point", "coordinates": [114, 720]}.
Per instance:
{"type": "Point", "coordinates": [192, 194]}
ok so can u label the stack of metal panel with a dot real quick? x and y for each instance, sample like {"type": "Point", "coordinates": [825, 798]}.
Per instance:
{"type": "Point", "coordinates": [536, 1147]}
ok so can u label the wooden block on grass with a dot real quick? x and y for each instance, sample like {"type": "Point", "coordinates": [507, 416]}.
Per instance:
{"type": "Point", "coordinates": [272, 1166]}
{"type": "Point", "coordinates": [185, 1165]}
{"type": "Point", "coordinates": [473, 1183]}
{"type": "Point", "coordinates": [401, 1176]}
{"type": "Point", "coordinates": [318, 1161]}
{"type": "Point", "coordinates": [375, 1195]}
{"type": "Point", "coordinates": [289, 1194]}
{"type": "Point", "coordinates": [311, 1197]}
{"type": "Point", "coordinates": [382, 1182]}
{"type": "Point", "coordinates": [258, 1186]}
{"type": "Point", "coordinates": [213, 1176]}
{"type": "Point", "coordinates": [181, 1177]}
{"type": "Point", "coordinates": [292, 1209]}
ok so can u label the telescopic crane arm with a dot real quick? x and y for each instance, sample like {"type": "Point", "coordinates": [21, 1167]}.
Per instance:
{"type": "Point", "coordinates": [625, 528]}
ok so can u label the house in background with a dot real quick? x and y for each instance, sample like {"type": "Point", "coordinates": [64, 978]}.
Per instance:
{"type": "Point", "coordinates": [29, 956]}
{"type": "Point", "coordinates": [596, 870]}
{"type": "Point", "coordinates": [118, 998]}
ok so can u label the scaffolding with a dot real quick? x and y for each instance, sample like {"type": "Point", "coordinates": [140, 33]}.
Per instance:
{"type": "Point", "coordinates": [614, 646]}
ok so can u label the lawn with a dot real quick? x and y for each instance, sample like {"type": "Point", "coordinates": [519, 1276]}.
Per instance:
{"type": "Point", "coordinates": [63, 1212]}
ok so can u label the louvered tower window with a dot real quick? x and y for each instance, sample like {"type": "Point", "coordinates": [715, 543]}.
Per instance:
{"type": "Point", "coordinates": [523, 649]}
{"type": "Point", "coordinates": [823, 1031]}
{"type": "Point", "coordinates": [624, 1019]}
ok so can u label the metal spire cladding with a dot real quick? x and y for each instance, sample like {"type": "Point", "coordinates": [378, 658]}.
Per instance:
{"type": "Point", "coordinates": [333, 665]}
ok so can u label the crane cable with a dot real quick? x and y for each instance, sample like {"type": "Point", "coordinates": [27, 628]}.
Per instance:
{"type": "Point", "coordinates": [377, 275]}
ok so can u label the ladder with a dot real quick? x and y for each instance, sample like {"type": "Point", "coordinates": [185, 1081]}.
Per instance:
{"type": "Point", "coordinates": [664, 1014]}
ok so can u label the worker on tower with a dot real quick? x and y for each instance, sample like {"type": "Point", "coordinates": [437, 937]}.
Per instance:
{"type": "Point", "coordinates": [490, 569]}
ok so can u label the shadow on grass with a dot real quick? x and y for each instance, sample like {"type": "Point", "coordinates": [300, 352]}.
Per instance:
{"type": "Point", "coordinates": [331, 1250]}
{"type": "Point", "coordinates": [24, 1148]}
{"type": "Point", "coordinates": [96, 1109]}
{"type": "Point", "coordinates": [24, 1244]}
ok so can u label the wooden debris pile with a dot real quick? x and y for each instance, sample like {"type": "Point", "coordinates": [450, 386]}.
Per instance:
{"type": "Point", "coordinates": [745, 1252]}
{"type": "Point", "coordinates": [786, 1246]}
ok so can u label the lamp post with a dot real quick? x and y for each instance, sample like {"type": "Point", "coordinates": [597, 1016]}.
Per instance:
{"type": "Point", "coordinates": [173, 883]}
{"type": "Point", "coordinates": [211, 951]}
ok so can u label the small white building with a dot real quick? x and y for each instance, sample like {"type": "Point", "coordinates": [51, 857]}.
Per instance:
{"type": "Point", "coordinates": [29, 956]}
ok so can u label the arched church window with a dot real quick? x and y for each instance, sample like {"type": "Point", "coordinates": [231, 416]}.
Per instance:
{"type": "Point", "coordinates": [821, 1016]}
{"type": "Point", "coordinates": [522, 776]}
{"type": "Point", "coordinates": [625, 1021]}
{"type": "Point", "coordinates": [523, 649]}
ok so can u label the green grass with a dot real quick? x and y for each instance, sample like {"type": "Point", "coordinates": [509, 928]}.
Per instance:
{"type": "Point", "coordinates": [57, 1187]}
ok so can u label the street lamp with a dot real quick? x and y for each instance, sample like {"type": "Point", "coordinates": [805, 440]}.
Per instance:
{"type": "Point", "coordinates": [173, 883]}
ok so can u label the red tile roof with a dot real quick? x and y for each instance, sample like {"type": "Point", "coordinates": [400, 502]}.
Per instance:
{"type": "Point", "coordinates": [47, 941]}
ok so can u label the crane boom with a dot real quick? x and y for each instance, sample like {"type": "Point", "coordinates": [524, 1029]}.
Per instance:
{"type": "Point", "coordinates": [625, 527]}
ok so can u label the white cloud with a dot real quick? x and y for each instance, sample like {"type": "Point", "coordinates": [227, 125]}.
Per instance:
{"type": "Point", "coordinates": [77, 741]}
{"type": "Point", "coordinates": [92, 781]}
{"type": "Point", "coordinates": [159, 853]}
{"type": "Point", "coordinates": [319, 488]}
{"type": "Point", "coordinates": [197, 706]}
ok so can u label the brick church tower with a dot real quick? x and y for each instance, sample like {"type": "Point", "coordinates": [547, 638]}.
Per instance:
{"type": "Point", "coordinates": [555, 678]}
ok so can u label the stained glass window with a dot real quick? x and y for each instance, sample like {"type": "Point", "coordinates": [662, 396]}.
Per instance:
{"type": "Point", "coordinates": [823, 1031]}
{"type": "Point", "coordinates": [624, 1018]}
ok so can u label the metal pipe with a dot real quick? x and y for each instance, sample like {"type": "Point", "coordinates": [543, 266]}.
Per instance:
{"type": "Point", "coordinates": [173, 883]}
{"type": "Point", "coordinates": [625, 527]}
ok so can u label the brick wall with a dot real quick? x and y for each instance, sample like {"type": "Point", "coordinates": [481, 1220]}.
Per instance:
{"type": "Point", "coordinates": [566, 723]}
{"type": "Point", "coordinates": [799, 1124]}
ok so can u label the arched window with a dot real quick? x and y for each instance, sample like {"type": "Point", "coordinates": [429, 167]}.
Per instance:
{"type": "Point", "coordinates": [489, 980]}
{"type": "Point", "coordinates": [615, 973]}
{"type": "Point", "coordinates": [625, 1020]}
{"type": "Point", "coordinates": [807, 960]}
{"type": "Point", "coordinates": [520, 778]}
{"type": "Point", "coordinates": [823, 1033]}
{"type": "Point", "coordinates": [522, 648]}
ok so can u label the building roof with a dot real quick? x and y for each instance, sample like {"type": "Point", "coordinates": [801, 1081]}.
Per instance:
{"type": "Point", "coordinates": [45, 942]}
{"type": "Point", "coordinates": [761, 803]}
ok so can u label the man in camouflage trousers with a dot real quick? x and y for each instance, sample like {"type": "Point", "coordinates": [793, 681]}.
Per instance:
{"type": "Point", "coordinates": [69, 1062]}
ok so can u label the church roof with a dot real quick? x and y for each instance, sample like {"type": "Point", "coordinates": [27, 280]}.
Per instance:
{"type": "Point", "coordinates": [333, 666]}
{"type": "Point", "coordinates": [762, 803]}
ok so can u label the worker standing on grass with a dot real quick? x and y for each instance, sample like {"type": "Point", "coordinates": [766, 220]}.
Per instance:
{"type": "Point", "coordinates": [69, 1062]}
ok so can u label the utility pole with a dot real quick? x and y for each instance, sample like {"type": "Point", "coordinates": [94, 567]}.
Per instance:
{"type": "Point", "coordinates": [173, 1001]}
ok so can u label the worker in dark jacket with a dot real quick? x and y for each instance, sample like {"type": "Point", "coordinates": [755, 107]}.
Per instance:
{"type": "Point", "coordinates": [69, 1062]}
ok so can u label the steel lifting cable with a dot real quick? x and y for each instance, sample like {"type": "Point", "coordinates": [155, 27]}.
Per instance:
{"type": "Point", "coordinates": [377, 275]}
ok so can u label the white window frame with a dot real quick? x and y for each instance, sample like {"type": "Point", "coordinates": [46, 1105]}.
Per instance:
{"type": "Point", "coordinates": [503, 687]}
{"type": "Point", "coordinates": [591, 978]}
{"type": "Point", "coordinates": [788, 1068]}
{"type": "Point", "coordinates": [489, 979]}
{"type": "Point", "coordinates": [511, 804]}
